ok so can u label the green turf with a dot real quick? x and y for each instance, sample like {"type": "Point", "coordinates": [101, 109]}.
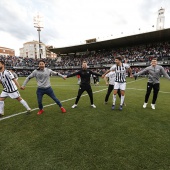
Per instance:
{"type": "Point", "coordinates": [85, 138]}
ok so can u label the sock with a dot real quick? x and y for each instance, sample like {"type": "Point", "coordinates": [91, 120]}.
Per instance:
{"type": "Point", "coordinates": [24, 103]}
{"type": "Point", "coordinates": [114, 99]}
{"type": "Point", "coordinates": [1, 107]}
{"type": "Point", "coordinates": [122, 100]}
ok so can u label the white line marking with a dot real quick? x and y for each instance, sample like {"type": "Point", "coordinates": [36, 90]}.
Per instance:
{"type": "Point", "coordinates": [145, 90]}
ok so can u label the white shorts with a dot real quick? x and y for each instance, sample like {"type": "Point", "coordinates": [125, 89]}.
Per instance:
{"type": "Point", "coordinates": [13, 95]}
{"type": "Point", "coordinates": [121, 86]}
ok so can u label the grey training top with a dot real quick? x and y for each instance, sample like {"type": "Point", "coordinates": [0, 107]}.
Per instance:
{"type": "Point", "coordinates": [154, 73]}
{"type": "Point", "coordinates": [42, 77]}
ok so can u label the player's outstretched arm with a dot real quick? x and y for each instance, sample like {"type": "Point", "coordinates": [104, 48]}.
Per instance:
{"type": "Point", "coordinates": [164, 73]}
{"type": "Point", "coordinates": [57, 73]}
{"type": "Point", "coordinates": [105, 73]}
{"type": "Point", "coordinates": [106, 80]}
{"type": "Point", "coordinates": [22, 88]}
{"type": "Point", "coordinates": [61, 75]}
{"type": "Point", "coordinates": [73, 74]}
{"type": "Point", "coordinates": [141, 72]}
{"type": "Point", "coordinates": [27, 80]}
{"type": "Point", "coordinates": [130, 72]}
{"type": "Point", "coordinates": [95, 73]}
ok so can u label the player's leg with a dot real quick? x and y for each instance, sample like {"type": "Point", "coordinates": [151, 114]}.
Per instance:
{"type": "Point", "coordinates": [51, 94]}
{"type": "Point", "coordinates": [116, 87]}
{"type": "Point", "coordinates": [80, 92]}
{"type": "Point", "coordinates": [16, 95]}
{"type": "Point", "coordinates": [3, 95]}
{"type": "Point", "coordinates": [24, 103]}
{"type": "Point", "coordinates": [114, 96]}
{"type": "Point", "coordinates": [109, 90]}
{"type": "Point", "coordinates": [40, 93]}
{"type": "Point", "coordinates": [2, 106]}
{"type": "Point", "coordinates": [122, 88]}
{"type": "Point", "coordinates": [155, 94]}
{"type": "Point", "coordinates": [119, 93]}
{"type": "Point", "coordinates": [122, 98]}
{"type": "Point", "coordinates": [90, 93]}
{"type": "Point", "coordinates": [148, 92]}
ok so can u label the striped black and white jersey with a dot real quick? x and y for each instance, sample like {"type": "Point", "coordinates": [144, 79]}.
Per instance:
{"type": "Point", "coordinates": [120, 72]}
{"type": "Point", "coordinates": [6, 78]}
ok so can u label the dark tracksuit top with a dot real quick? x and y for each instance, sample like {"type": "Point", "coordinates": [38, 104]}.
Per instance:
{"type": "Point", "coordinates": [85, 76]}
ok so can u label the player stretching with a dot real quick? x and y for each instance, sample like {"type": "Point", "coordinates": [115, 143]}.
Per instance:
{"type": "Point", "coordinates": [85, 83]}
{"type": "Point", "coordinates": [42, 76]}
{"type": "Point", "coordinates": [120, 81]}
{"type": "Point", "coordinates": [155, 72]}
{"type": "Point", "coordinates": [10, 85]}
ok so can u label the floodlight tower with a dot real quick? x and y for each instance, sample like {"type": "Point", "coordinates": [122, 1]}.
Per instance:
{"type": "Point", "coordinates": [38, 23]}
{"type": "Point", "coordinates": [160, 19]}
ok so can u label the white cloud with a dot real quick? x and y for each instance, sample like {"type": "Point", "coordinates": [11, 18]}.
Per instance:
{"type": "Point", "coordinates": [70, 22]}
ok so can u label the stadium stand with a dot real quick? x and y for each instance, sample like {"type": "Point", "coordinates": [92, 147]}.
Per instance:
{"type": "Point", "coordinates": [138, 51]}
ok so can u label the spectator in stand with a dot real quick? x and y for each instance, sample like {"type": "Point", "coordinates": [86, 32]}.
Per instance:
{"type": "Point", "coordinates": [140, 53]}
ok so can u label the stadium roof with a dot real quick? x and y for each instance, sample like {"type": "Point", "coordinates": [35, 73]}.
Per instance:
{"type": "Point", "coordinates": [149, 37]}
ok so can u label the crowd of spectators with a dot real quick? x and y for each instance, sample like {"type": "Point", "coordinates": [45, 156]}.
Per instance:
{"type": "Point", "coordinates": [140, 53]}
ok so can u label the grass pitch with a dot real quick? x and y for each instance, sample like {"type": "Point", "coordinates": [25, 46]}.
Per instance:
{"type": "Point", "coordinates": [85, 138]}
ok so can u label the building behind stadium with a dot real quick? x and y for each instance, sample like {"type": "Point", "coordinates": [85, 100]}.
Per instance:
{"type": "Point", "coordinates": [31, 50]}
{"type": "Point", "coordinates": [4, 51]}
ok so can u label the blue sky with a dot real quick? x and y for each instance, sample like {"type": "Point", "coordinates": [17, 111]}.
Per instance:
{"type": "Point", "coordinates": [71, 22]}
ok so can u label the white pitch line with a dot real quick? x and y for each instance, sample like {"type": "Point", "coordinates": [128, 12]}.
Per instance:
{"type": "Point", "coordinates": [145, 90]}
